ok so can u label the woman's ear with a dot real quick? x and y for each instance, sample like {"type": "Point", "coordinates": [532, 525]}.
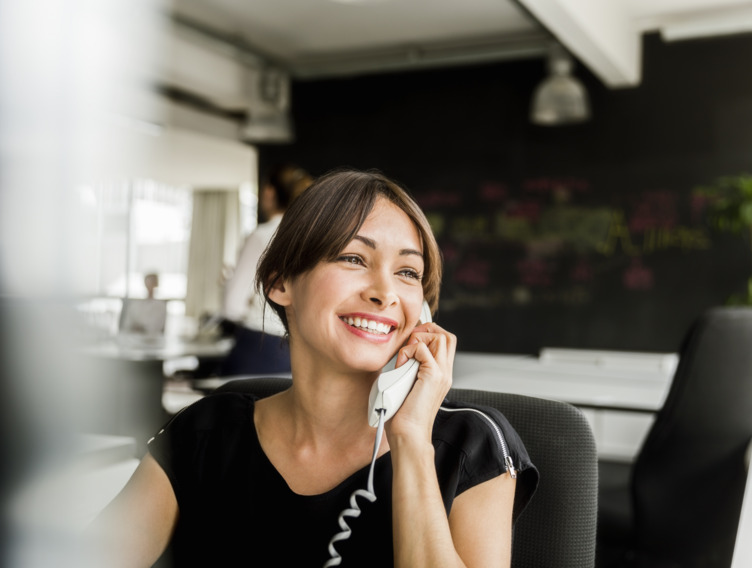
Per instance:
{"type": "Point", "coordinates": [279, 292]}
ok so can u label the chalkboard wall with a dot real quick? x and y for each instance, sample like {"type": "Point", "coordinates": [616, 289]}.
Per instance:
{"type": "Point", "coordinates": [587, 236]}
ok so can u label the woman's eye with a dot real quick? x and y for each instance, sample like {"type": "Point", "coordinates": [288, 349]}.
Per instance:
{"type": "Point", "coordinates": [410, 273]}
{"type": "Point", "coordinates": [350, 259]}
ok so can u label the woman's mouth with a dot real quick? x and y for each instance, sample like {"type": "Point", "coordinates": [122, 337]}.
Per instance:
{"type": "Point", "coordinates": [367, 325]}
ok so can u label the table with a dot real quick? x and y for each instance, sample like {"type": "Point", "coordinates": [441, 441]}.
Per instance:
{"type": "Point", "coordinates": [126, 380]}
{"type": "Point", "coordinates": [581, 384]}
{"type": "Point", "coordinates": [619, 395]}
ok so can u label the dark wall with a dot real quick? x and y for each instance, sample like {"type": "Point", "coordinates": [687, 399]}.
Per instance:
{"type": "Point", "coordinates": [586, 236]}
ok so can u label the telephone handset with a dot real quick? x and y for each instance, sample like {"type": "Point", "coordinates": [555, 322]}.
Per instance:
{"type": "Point", "coordinates": [390, 390]}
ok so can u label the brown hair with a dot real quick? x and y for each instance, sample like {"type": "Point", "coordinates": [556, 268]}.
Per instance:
{"type": "Point", "coordinates": [326, 217]}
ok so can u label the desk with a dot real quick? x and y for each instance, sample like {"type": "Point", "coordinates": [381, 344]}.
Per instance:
{"type": "Point", "coordinates": [127, 381]}
{"type": "Point", "coordinates": [144, 348]}
{"type": "Point", "coordinates": [619, 401]}
{"type": "Point", "coordinates": [581, 384]}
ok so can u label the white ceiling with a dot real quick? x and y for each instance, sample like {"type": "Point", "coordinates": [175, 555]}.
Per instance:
{"type": "Point", "coordinates": [315, 38]}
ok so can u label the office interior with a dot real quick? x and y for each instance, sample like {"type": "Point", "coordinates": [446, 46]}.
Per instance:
{"type": "Point", "coordinates": [578, 256]}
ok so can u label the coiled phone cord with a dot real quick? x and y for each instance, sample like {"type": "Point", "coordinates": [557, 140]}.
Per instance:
{"type": "Point", "coordinates": [354, 510]}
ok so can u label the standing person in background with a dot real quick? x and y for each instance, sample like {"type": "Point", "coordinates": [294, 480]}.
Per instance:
{"type": "Point", "coordinates": [259, 347]}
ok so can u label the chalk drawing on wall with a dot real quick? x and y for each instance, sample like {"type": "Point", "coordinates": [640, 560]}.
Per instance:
{"type": "Point", "coordinates": [553, 240]}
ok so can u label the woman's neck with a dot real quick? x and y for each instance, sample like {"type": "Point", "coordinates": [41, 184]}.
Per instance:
{"type": "Point", "coordinates": [316, 434]}
{"type": "Point", "coordinates": [330, 406]}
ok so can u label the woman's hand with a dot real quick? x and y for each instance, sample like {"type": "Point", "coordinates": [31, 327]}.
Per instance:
{"type": "Point", "coordinates": [434, 348]}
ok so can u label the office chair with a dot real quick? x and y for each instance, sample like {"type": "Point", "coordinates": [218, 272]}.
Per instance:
{"type": "Point", "coordinates": [680, 507]}
{"type": "Point", "coordinates": [557, 529]}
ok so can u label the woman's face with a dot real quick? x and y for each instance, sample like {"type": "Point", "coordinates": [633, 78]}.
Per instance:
{"type": "Point", "coordinates": [358, 310]}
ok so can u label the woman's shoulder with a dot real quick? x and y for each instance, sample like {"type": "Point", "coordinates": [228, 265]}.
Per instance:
{"type": "Point", "coordinates": [462, 424]}
{"type": "Point", "coordinates": [478, 428]}
{"type": "Point", "coordinates": [488, 444]}
{"type": "Point", "coordinates": [215, 410]}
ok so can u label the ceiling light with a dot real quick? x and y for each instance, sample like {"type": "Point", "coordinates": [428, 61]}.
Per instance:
{"type": "Point", "coordinates": [269, 117]}
{"type": "Point", "coordinates": [560, 98]}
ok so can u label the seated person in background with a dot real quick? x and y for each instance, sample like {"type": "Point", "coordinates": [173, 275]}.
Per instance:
{"type": "Point", "coordinates": [238, 481]}
{"type": "Point", "coordinates": [258, 333]}
{"type": "Point", "coordinates": [144, 316]}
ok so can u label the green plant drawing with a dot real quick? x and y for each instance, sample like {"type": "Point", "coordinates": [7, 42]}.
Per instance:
{"type": "Point", "coordinates": [729, 208]}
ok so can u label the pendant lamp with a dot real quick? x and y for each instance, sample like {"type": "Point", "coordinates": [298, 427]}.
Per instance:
{"type": "Point", "coordinates": [560, 98]}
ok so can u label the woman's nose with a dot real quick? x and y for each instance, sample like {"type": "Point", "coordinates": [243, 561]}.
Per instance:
{"type": "Point", "coordinates": [381, 290]}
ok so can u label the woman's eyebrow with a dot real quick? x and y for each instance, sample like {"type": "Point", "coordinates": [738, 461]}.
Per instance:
{"type": "Point", "coordinates": [370, 243]}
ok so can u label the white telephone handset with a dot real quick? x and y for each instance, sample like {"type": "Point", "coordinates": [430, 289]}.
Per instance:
{"type": "Point", "coordinates": [390, 390]}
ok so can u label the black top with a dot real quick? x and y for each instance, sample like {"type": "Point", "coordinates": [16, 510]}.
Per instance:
{"type": "Point", "coordinates": [237, 510]}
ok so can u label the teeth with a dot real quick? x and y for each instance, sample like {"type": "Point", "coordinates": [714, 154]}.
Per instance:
{"type": "Point", "coordinates": [370, 326]}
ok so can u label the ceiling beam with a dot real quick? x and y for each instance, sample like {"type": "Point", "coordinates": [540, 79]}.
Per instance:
{"type": "Point", "coordinates": [532, 44]}
{"type": "Point", "coordinates": [599, 33]}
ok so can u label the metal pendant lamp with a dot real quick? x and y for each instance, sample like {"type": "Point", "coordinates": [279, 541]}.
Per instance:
{"type": "Point", "coordinates": [560, 99]}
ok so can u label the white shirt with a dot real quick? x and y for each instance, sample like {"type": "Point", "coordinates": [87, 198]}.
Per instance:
{"type": "Point", "coordinates": [241, 301]}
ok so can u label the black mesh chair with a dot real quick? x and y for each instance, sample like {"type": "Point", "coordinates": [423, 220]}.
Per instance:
{"type": "Point", "coordinates": [680, 506]}
{"type": "Point", "coordinates": [558, 527]}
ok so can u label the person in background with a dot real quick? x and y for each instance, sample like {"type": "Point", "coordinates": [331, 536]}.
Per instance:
{"type": "Point", "coordinates": [259, 347]}
{"type": "Point", "coordinates": [144, 316]}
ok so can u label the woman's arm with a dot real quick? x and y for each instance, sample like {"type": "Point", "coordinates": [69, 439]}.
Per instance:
{"type": "Point", "coordinates": [135, 528]}
{"type": "Point", "coordinates": [481, 523]}
{"type": "Point", "coordinates": [478, 530]}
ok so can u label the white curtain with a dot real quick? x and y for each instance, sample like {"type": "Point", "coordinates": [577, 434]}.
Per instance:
{"type": "Point", "coordinates": [215, 236]}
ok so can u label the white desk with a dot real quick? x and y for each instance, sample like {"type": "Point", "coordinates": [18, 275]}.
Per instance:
{"type": "Point", "coordinates": [145, 348]}
{"type": "Point", "coordinates": [581, 384]}
{"type": "Point", "coordinates": [127, 381]}
{"type": "Point", "coordinates": [619, 396]}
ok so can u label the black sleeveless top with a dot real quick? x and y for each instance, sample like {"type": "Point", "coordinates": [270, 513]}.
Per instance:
{"type": "Point", "coordinates": [235, 509]}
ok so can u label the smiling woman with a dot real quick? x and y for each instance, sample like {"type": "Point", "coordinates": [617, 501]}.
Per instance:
{"type": "Point", "coordinates": [234, 479]}
{"type": "Point", "coordinates": [376, 278]}
{"type": "Point", "coordinates": [329, 217]}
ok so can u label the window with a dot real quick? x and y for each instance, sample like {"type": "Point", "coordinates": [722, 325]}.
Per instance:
{"type": "Point", "coordinates": [141, 227]}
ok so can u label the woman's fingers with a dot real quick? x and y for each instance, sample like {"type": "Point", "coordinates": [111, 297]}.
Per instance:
{"type": "Point", "coordinates": [434, 349]}
{"type": "Point", "coordinates": [440, 342]}
{"type": "Point", "coordinates": [416, 416]}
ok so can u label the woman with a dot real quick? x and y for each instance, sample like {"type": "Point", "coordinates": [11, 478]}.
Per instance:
{"type": "Point", "coordinates": [237, 481]}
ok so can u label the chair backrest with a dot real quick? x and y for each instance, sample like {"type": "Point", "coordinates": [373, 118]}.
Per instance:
{"type": "Point", "coordinates": [558, 527]}
{"type": "Point", "coordinates": [689, 476]}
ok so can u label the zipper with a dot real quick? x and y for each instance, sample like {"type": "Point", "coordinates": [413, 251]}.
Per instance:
{"type": "Point", "coordinates": [499, 437]}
